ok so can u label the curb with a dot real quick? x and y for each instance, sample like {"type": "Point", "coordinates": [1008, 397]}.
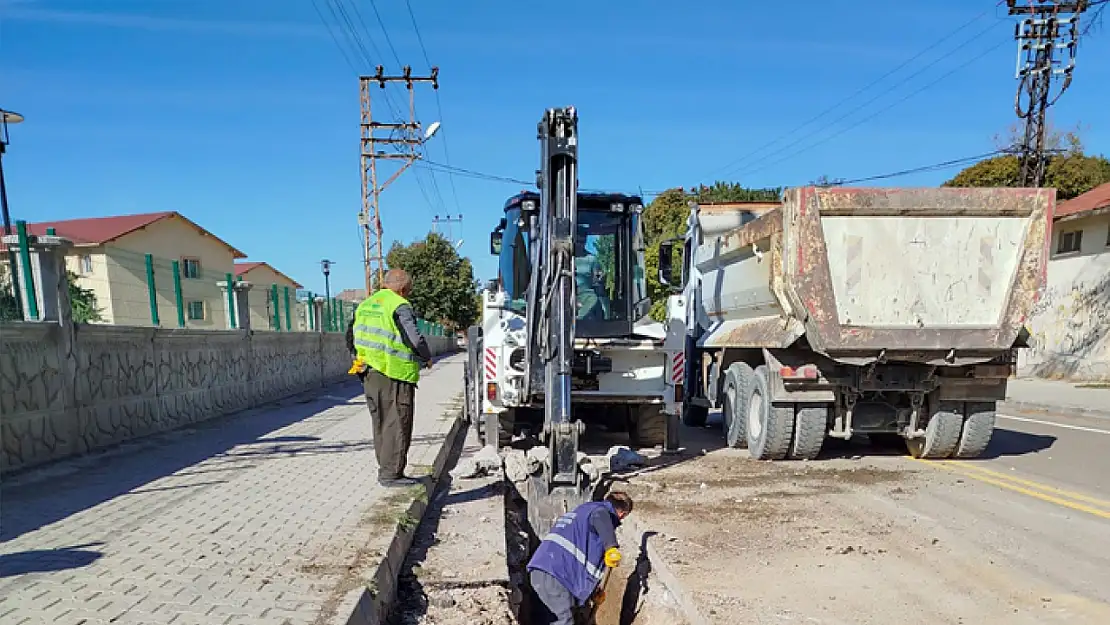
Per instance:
{"type": "Point", "coordinates": [667, 577]}
{"type": "Point", "coordinates": [362, 606]}
{"type": "Point", "coordinates": [1074, 411]}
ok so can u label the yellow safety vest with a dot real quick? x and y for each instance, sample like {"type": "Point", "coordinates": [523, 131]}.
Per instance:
{"type": "Point", "coordinates": [378, 340]}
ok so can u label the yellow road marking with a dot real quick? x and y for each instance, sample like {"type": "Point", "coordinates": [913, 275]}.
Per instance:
{"type": "Point", "coordinates": [1102, 503]}
{"type": "Point", "coordinates": [1021, 489]}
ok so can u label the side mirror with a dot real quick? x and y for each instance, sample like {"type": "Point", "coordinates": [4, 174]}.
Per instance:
{"type": "Point", "coordinates": [495, 243]}
{"type": "Point", "coordinates": [666, 269]}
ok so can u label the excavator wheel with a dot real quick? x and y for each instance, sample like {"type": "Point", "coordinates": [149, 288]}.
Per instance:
{"type": "Point", "coordinates": [977, 429]}
{"type": "Point", "coordinates": [770, 427]}
{"type": "Point", "coordinates": [648, 427]}
{"type": "Point", "coordinates": [739, 380]}
{"type": "Point", "coordinates": [942, 433]}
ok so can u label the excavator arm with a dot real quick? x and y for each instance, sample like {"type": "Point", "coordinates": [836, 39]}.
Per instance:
{"type": "Point", "coordinates": [551, 311]}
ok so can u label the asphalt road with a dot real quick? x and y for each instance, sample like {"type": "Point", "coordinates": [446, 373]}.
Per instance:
{"type": "Point", "coordinates": [862, 536]}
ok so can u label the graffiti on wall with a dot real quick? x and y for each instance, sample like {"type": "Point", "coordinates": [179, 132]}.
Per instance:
{"type": "Point", "coordinates": [1071, 332]}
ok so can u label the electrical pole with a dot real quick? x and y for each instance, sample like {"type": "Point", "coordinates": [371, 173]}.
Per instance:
{"type": "Point", "coordinates": [9, 117]}
{"type": "Point", "coordinates": [447, 221]}
{"type": "Point", "coordinates": [405, 138]}
{"type": "Point", "coordinates": [1048, 27]}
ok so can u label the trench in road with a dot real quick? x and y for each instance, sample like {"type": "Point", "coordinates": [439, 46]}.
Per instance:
{"type": "Point", "coordinates": [479, 527]}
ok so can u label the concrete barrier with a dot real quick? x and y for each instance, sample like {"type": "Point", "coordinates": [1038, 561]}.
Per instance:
{"type": "Point", "coordinates": [64, 393]}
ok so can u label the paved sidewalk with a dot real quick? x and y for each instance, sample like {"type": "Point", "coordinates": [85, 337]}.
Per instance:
{"type": "Point", "coordinates": [1034, 394]}
{"type": "Point", "coordinates": [255, 519]}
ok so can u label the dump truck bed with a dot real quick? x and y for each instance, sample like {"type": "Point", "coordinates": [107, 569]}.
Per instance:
{"type": "Point", "coordinates": [876, 273]}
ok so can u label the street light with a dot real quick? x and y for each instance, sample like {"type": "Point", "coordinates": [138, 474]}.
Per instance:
{"type": "Point", "coordinates": [431, 131]}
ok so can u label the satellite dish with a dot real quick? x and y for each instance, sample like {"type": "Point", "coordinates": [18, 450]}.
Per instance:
{"type": "Point", "coordinates": [431, 131]}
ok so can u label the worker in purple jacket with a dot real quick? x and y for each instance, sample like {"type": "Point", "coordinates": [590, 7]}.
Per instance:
{"type": "Point", "coordinates": [570, 561]}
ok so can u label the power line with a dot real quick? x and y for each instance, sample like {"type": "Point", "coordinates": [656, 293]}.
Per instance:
{"type": "Point", "coordinates": [915, 170]}
{"type": "Point", "coordinates": [335, 39]}
{"type": "Point", "coordinates": [470, 173]}
{"type": "Point", "coordinates": [857, 92]}
{"type": "Point", "coordinates": [439, 108]}
{"type": "Point", "coordinates": [878, 112]}
{"type": "Point", "coordinates": [876, 98]}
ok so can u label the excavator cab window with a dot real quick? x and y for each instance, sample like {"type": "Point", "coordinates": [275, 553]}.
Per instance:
{"type": "Point", "coordinates": [514, 264]}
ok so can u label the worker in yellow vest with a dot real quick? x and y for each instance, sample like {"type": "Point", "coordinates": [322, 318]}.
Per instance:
{"type": "Point", "coordinates": [390, 351]}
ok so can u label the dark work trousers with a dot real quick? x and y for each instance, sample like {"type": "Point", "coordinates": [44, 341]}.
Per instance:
{"type": "Point", "coordinates": [558, 603]}
{"type": "Point", "coordinates": [390, 404]}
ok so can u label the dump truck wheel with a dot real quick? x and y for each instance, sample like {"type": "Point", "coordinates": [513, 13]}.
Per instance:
{"type": "Point", "coordinates": [739, 379]}
{"type": "Point", "coordinates": [977, 429]}
{"type": "Point", "coordinates": [648, 428]}
{"type": "Point", "coordinates": [810, 425]}
{"type": "Point", "coordinates": [770, 428]}
{"type": "Point", "coordinates": [942, 434]}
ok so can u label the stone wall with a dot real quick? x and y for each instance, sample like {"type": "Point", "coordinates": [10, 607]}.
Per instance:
{"type": "Point", "coordinates": [67, 393]}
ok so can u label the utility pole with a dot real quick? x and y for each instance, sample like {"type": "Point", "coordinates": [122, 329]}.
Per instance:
{"type": "Point", "coordinates": [405, 138]}
{"type": "Point", "coordinates": [447, 221]}
{"type": "Point", "coordinates": [1049, 26]}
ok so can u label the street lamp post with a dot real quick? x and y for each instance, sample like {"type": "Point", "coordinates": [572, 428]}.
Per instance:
{"type": "Point", "coordinates": [325, 265]}
{"type": "Point", "coordinates": [8, 117]}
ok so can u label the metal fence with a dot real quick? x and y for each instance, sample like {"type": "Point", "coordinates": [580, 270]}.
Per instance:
{"type": "Point", "coordinates": [119, 286]}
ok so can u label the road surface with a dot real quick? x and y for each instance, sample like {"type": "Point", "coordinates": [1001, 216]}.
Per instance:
{"type": "Point", "coordinates": [1019, 536]}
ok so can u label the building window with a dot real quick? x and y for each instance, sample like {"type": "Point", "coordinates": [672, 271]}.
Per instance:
{"type": "Point", "coordinates": [1070, 242]}
{"type": "Point", "coordinates": [195, 311]}
{"type": "Point", "coordinates": [84, 264]}
{"type": "Point", "coordinates": [190, 268]}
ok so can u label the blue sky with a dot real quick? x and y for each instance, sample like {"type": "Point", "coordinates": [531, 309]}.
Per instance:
{"type": "Point", "coordinates": [243, 114]}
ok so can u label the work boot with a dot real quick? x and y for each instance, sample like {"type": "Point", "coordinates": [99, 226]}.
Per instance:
{"type": "Point", "coordinates": [397, 482]}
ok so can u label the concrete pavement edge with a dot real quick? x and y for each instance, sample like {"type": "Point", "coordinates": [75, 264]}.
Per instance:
{"type": "Point", "coordinates": [663, 572]}
{"type": "Point", "coordinates": [370, 605]}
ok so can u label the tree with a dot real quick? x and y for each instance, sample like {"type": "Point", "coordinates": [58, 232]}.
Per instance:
{"type": "Point", "coordinates": [665, 217]}
{"type": "Point", "coordinates": [82, 301]}
{"type": "Point", "coordinates": [1070, 171]}
{"type": "Point", "coordinates": [443, 284]}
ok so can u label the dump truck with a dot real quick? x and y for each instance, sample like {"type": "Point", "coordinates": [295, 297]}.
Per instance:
{"type": "Point", "coordinates": [891, 312]}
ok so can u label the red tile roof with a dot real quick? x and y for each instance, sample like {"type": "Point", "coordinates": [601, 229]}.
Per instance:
{"type": "Point", "coordinates": [101, 230]}
{"type": "Point", "coordinates": [244, 267]}
{"type": "Point", "coordinates": [1096, 198]}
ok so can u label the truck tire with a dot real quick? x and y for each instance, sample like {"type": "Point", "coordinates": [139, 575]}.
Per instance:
{"type": "Point", "coordinates": [810, 425]}
{"type": "Point", "coordinates": [977, 429]}
{"type": "Point", "coordinates": [942, 433]}
{"type": "Point", "coordinates": [648, 427]}
{"type": "Point", "coordinates": [739, 380]}
{"type": "Point", "coordinates": [770, 428]}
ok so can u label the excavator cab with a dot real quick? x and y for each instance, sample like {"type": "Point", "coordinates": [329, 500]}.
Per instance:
{"type": "Point", "coordinates": [610, 287]}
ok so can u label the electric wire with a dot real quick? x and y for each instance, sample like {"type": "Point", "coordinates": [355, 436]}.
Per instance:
{"type": "Point", "coordinates": [925, 168]}
{"type": "Point", "coordinates": [868, 118]}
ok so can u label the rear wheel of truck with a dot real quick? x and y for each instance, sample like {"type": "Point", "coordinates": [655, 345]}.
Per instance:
{"type": "Point", "coordinates": [739, 380]}
{"type": "Point", "coordinates": [648, 427]}
{"type": "Point", "coordinates": [770, 428]}
{"type": "Point", "coordinates": [942, 434]}
{"type": "Point", "coordinates": [977, 429]}
{"type": "Point", "coordinates": [810, 425]}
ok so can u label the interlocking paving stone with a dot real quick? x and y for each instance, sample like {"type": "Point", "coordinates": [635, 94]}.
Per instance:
{"type": "Point", "coordinates": [250, 519]}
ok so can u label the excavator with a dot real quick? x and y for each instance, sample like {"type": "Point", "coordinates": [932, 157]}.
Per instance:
{"type": "Point", "coordinates": [565, 339]}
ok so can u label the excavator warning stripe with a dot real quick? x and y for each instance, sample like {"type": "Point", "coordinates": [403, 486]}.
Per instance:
{"type": "Point", "coordinates": [679, 368]}
{"type": "Point", "coordinates": [491, 363]}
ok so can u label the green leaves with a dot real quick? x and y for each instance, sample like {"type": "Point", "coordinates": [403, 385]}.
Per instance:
{"type": "Point", "coordinates": [665, 217]}
{"type": "Point", "coordinates": [1071, 173]}
{"type": "Point", "coordinates": [82, 302]}
{"type": "Point", "coordinates": [444, 288]}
